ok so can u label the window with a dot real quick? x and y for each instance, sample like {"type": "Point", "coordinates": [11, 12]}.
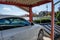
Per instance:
{"type": "Point", "coordinates": [9, 23]}
{"type": "Point", "coordinates": [20, 22]}
{"type": "Point", "coordinates": [3, 21]}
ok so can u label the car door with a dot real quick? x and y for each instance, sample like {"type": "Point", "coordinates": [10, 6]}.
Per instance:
{"type": "Point", "coordinates": [17, 29]}
{"type": "Point", "coordinates": [0, 35]}
{"type": "Point", "coordinates": [2, 21]}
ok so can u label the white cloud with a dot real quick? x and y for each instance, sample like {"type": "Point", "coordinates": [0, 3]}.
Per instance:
{"type": "Point", "coordinates": [18, 13]}
{"type": "Point", "coordinates": [14, 13]}
{"type": "Point", "coordinates": [7, 9]}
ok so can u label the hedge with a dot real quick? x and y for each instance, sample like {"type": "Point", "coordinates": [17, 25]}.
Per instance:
{"type": "Point", "coordinates": [58, 23]}
{"type": "Point", "coordinates": [44, 20]}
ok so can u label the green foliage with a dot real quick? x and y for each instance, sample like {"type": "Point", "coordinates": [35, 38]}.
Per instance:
{"type": "Point", "coordinates": [58, 23]}
{"type": "Point", "coordinates": [58, 16]}
{"type": "Point", "coordinates": [44, 20]}
{"type": "Point", "coordinates": [36, 21]}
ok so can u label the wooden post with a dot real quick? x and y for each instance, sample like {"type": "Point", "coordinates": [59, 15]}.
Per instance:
{"type": "Point", "coordinates": [52, 21]}
{"type": "Point", "coordinates": [30, 14]}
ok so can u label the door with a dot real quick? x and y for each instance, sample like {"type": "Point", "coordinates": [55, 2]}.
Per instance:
{"type": "Point", "coordinates": [1, 32]}
{"type": "Point", "coordinates": [1, 37]}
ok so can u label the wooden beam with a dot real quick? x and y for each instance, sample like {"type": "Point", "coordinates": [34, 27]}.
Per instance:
{"type": "Point", "coordinates": [24, 8]}
{"type": "Point", "coordinates": [13, 3]}
{"type": "Point", "coordinates": [25, 5]}
{"type": "Point", "coordinates": [40, 3]}
{"type": "Point", "coordinates": [57, 2]}
{"type": "Point", "coordinates": [52, 21]}
{"type": "Point", "coordinates": [30, 14]}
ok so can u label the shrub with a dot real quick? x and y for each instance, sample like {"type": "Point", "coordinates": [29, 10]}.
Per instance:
{"type": "Point", "coordinates": [58, 23]}
{"type": "Point", "coordinates": [44, 20]}
{"type": "Point", "coordinates": [36, 21]}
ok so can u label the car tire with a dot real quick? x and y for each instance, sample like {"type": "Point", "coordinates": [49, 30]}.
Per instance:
{"type": "Point", "coordinates": [40, 35]}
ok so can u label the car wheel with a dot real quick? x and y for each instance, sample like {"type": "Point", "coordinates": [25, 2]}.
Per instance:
{"type": "Point", "coordinates": [40, 35]}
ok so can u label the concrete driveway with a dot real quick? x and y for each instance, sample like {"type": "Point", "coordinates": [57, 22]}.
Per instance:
{"type": "Point", "coordinates": [46, 38]}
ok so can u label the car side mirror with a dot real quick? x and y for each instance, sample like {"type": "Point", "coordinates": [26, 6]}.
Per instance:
{"type": "Point", "coordinates": [32, 23]}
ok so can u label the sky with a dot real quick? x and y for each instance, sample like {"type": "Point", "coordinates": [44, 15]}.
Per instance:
{"type": "Point", "coordinates": [43, 7]}
{"type": "Point", "coordinates": [13, 10]}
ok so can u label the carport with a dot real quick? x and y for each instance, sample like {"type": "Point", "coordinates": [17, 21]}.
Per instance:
{"type": "Point", "coordinates": [27, 6]}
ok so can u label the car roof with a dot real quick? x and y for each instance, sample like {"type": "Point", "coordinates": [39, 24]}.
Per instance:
{"type": "Point", "coordinates": [3, 17]}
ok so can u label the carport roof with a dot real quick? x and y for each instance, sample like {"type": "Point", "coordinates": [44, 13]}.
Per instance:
{"type": "Point", "coordinates": [25, 4]}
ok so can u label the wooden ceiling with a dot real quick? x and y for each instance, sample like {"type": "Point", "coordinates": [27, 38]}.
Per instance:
{"type": "Point", "coordinates": [24, 4]}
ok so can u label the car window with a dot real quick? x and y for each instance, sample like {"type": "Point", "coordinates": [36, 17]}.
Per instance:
{"type": "Point", "coordinates": [4, 21]}
{"type": "Point", "coordinates": [10, 23]}
{"type": "Point", "coordinates": [21, 22]}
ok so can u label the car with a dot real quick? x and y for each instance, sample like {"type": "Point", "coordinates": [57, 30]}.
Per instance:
{"type": "Point", "coordinates": [16, 28]}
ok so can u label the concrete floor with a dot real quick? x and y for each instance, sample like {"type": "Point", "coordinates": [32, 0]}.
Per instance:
{"type": "Point", "coordinates": [47, 38]}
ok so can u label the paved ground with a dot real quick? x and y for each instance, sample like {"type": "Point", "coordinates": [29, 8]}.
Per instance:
{"type": "Point", "coordinates": [47, 28]}
{"type": "Point", "coordinates": [46, 38]}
